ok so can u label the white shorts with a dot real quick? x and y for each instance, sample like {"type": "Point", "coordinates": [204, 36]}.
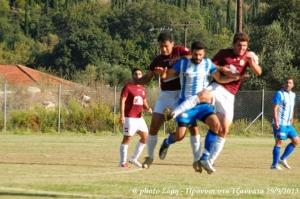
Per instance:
{"type": "Point", "coordinates": [223, 100]}
{"type": "Point", "coordinates": [166, 99]}
{"type": "Point", "coordinates": [133, 125]}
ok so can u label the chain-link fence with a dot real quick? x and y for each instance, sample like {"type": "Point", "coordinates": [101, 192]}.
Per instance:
{"type": "Point", "coordinates": [96, 108]}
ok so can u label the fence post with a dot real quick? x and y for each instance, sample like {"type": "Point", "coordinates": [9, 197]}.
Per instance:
{"type": "Point", "coordinates": [262, 110]}
{"type": "Point", "coordinates": [5, 96]}
{"type": "Point", "coordinates": [115, 104]}
{"type": "Point", "coordinates": [59, 97]}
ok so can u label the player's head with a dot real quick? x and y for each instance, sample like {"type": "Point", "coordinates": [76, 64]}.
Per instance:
{"type": "Point", "coordinates": [240, 43]}
{"type": "Point", "coordinates": [288, 84]}
{"type": "Point", "coordinates": [136, 73]}
{"type": "Point", "coordinates": [166, 42]}
{"type": "Point", "coordinates": [198, 51]}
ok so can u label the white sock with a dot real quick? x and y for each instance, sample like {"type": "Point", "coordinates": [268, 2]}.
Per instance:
{"type": "Point", "coordinates": [187, 104]}
{"type": "Point", "coordinates": [123, 153]}
{"type": "Point", "coordinates": [151, 143]}
{"type": "Point", "coordinates": [217, 149]}
{"type": "Point", "coordinates": [138, 150]}
{"type": "Point", "coordinates": [196, 146]}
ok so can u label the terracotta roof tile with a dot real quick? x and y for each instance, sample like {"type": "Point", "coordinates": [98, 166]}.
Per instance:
{"type": "Point", "coordinates": [17, 74]}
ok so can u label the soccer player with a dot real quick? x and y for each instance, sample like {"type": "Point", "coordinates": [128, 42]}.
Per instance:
{"type": "Point", "coordinates": [194, 76]}
{"type": "Point", "coordinates": [284, 101]}
{"type": "Point", "coordinates": [231, 62]}
{"type": "Point", "coordinates": [168, 96]}
{"type": "Point", "coordinates": [132, 102]}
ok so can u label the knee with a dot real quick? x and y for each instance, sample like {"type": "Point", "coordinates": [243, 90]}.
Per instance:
{"type": "Point", "coordinates": [153, 130]}
{"type": "Point", "coordinates": [215, 127]}
{"type": "Point", "coordinates": [296, 141]}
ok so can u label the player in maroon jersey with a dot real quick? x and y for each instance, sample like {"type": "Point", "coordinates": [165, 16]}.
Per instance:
{"type": "Point", "coordinates": [169, 94]}
{"type": "Point", "coordinates": [132, 103]}
{"type": "Point", "coordinates": [231, 62]}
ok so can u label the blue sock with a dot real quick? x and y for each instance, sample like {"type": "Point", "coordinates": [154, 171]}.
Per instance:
{"type": "Point", "coordinates": [209, 143]}
{"type": "Point", "coordinates": [276, 154]}
{"type": "Point", "coordinates": [288, 150]}
{"type": "Point", "coordinates": [169, 140]}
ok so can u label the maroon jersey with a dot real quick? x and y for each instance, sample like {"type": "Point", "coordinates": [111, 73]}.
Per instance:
{"type": "Point", "coordinates": [238, 64]}
{"type": "Point", "coordinates": [170, 84]}
{"type": "Point", "coordinates": [135, 96]}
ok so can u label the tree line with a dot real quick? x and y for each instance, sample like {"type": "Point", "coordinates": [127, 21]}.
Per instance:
{"type": "Point", "coordinates": [101, 41]}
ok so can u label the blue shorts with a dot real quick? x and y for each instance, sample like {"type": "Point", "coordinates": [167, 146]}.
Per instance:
{"type": "Point", "coordinates": [198, 112]}
{"type": "Point", "coordinates": [284, 132]}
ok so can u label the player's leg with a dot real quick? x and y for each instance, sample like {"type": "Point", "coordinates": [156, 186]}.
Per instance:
{"type": "Point", "coordinates": [202, 97]}
{"type": "Point", "coordinates": [292, 134]}
{"type": "Point", "coordinates": [166, 99]}
{"type": "Point", "coordinates": [276, 149]}
{"type": "Point", "coordinates": [171, 139]}
{"type": "Point", "coordinates": [123, 151]}
{"type": "Point", "coordinates": [143, 133]}
{"type": "Point", "coordinates": [195, 141]}
{"type": "Point", "coordinates": [224, 106]}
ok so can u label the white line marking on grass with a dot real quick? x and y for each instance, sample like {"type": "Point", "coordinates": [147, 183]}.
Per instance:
{"type": "Point", "coordinates": [82, 174]}
{"type": "Point", "coordinates": [49, 193]}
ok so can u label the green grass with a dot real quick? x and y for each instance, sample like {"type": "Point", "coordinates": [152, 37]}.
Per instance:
{"type": "Point", "coordinates": [85, 166]}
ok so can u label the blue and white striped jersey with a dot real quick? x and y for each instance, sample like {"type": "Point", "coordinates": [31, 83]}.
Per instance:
{"type": "Point", "coordinates": [193, 77]}
{"type": "Point", "coordinates": [286, 102]}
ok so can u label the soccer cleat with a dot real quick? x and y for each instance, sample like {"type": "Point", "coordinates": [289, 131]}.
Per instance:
{"type": "Point", "coordinates": [163, 151]}
{"type": "Point", "coordinates": [124, 165]}
{"type": "Point", "coordinates": [277, 167]}
{"type": "Point", "coordinates": [147, 162]}
{"type": "Point", "coordinates": [135, 162]}
{"type": "Point", "coordinates": [284, 163]}
{"type": "Point", "coordinates": [207, 166]}
{"type": "Point", "coordinates": [197, 166]}
{"type": "Point", "coordinates": [168, 114]}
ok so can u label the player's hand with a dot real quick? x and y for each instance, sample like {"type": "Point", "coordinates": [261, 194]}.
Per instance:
{"type": "Point", "coordinates": [149, 110]}
{"type": "Point", "coordinates": [160, 70]}
{"type": "Point", "coordinates": [122, 120]}
{"type": "Point", "coordinates": [246, 75]}
{"type": "Point", "coordinates": [252, 57]}
{"type": "Point", "coordinates": [128, 82]}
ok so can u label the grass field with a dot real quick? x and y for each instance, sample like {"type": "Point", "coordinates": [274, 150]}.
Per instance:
{"type": "Point", "coordinates": [85, 166]}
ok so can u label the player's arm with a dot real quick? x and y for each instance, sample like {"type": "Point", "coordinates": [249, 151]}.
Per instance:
{"type": "Point", "coordinates": [226, 79]}
{"type": "Point", "coordinates": [174, 60]}
{"type": "Point", "coordinates": [292, 117]}
{"type": "Point", "coordinates": [146, 106]}
{"type": "Point", "coordinates": [122, 110]}
{"type": "Point", "coordinates": [165, 73]}
{"type": "Point", "coordinates": [141, 81]}
{"type": "Point", "coordinates": [252, 60]}
{"type": "Point", "coordinates": [275, 111]}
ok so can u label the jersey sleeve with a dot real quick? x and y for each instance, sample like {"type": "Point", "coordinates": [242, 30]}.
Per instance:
{"type": "Point", "coordinates": [184, 51]}
{"type": "Point", "coordinates": [176, 66]}
{"type": "Point", "coordinates": [277, 98]}
{"type": "Point", "coordinates": [213, 68]}
{"type": "Point", "coordinates": [125, 91]}
{"type": "Point", "coordinates": [218, 58]}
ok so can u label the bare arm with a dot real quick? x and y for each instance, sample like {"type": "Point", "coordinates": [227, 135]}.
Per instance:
{"type": "Point", "coordinates": [253, 65]}
{"type": "Point", "coordinates": [165, 73]}
{"type": "Point", "coordinates": [275, 108]}
{"type": "Point", "coordinates": [226, 79]}
{"type": "Point", "coordinates": [146, 106]}
{"type": "Point", "coordinates": [141, 81]}
{"type": "Point", "coordinates": [122, 110]}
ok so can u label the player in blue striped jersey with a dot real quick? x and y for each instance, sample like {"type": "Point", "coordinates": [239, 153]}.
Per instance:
{"type": "Point", "coordinates": [284, 101]}
{"type": "Point", "coordinates": [194, 77]}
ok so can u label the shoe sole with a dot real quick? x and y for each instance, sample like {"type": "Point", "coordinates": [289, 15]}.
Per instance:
{"type": "Point", "coordinates": [163, 154]}
{"type": "Point", "coordinates": [206, 169]}
{"type": "Point", "coordinates": [131, 162]}
{"type": "Point", "coordinates": [146, 165]}
{"type": "Point", "coordinates": [197, 167]}
{"type": "Point", "coordinates": [286, 166]}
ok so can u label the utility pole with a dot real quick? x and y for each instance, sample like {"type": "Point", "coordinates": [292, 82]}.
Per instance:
{"type": "Point", "coordinates": [185, 28]}
{"type": "Point", "coordinates": [240, 16]}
